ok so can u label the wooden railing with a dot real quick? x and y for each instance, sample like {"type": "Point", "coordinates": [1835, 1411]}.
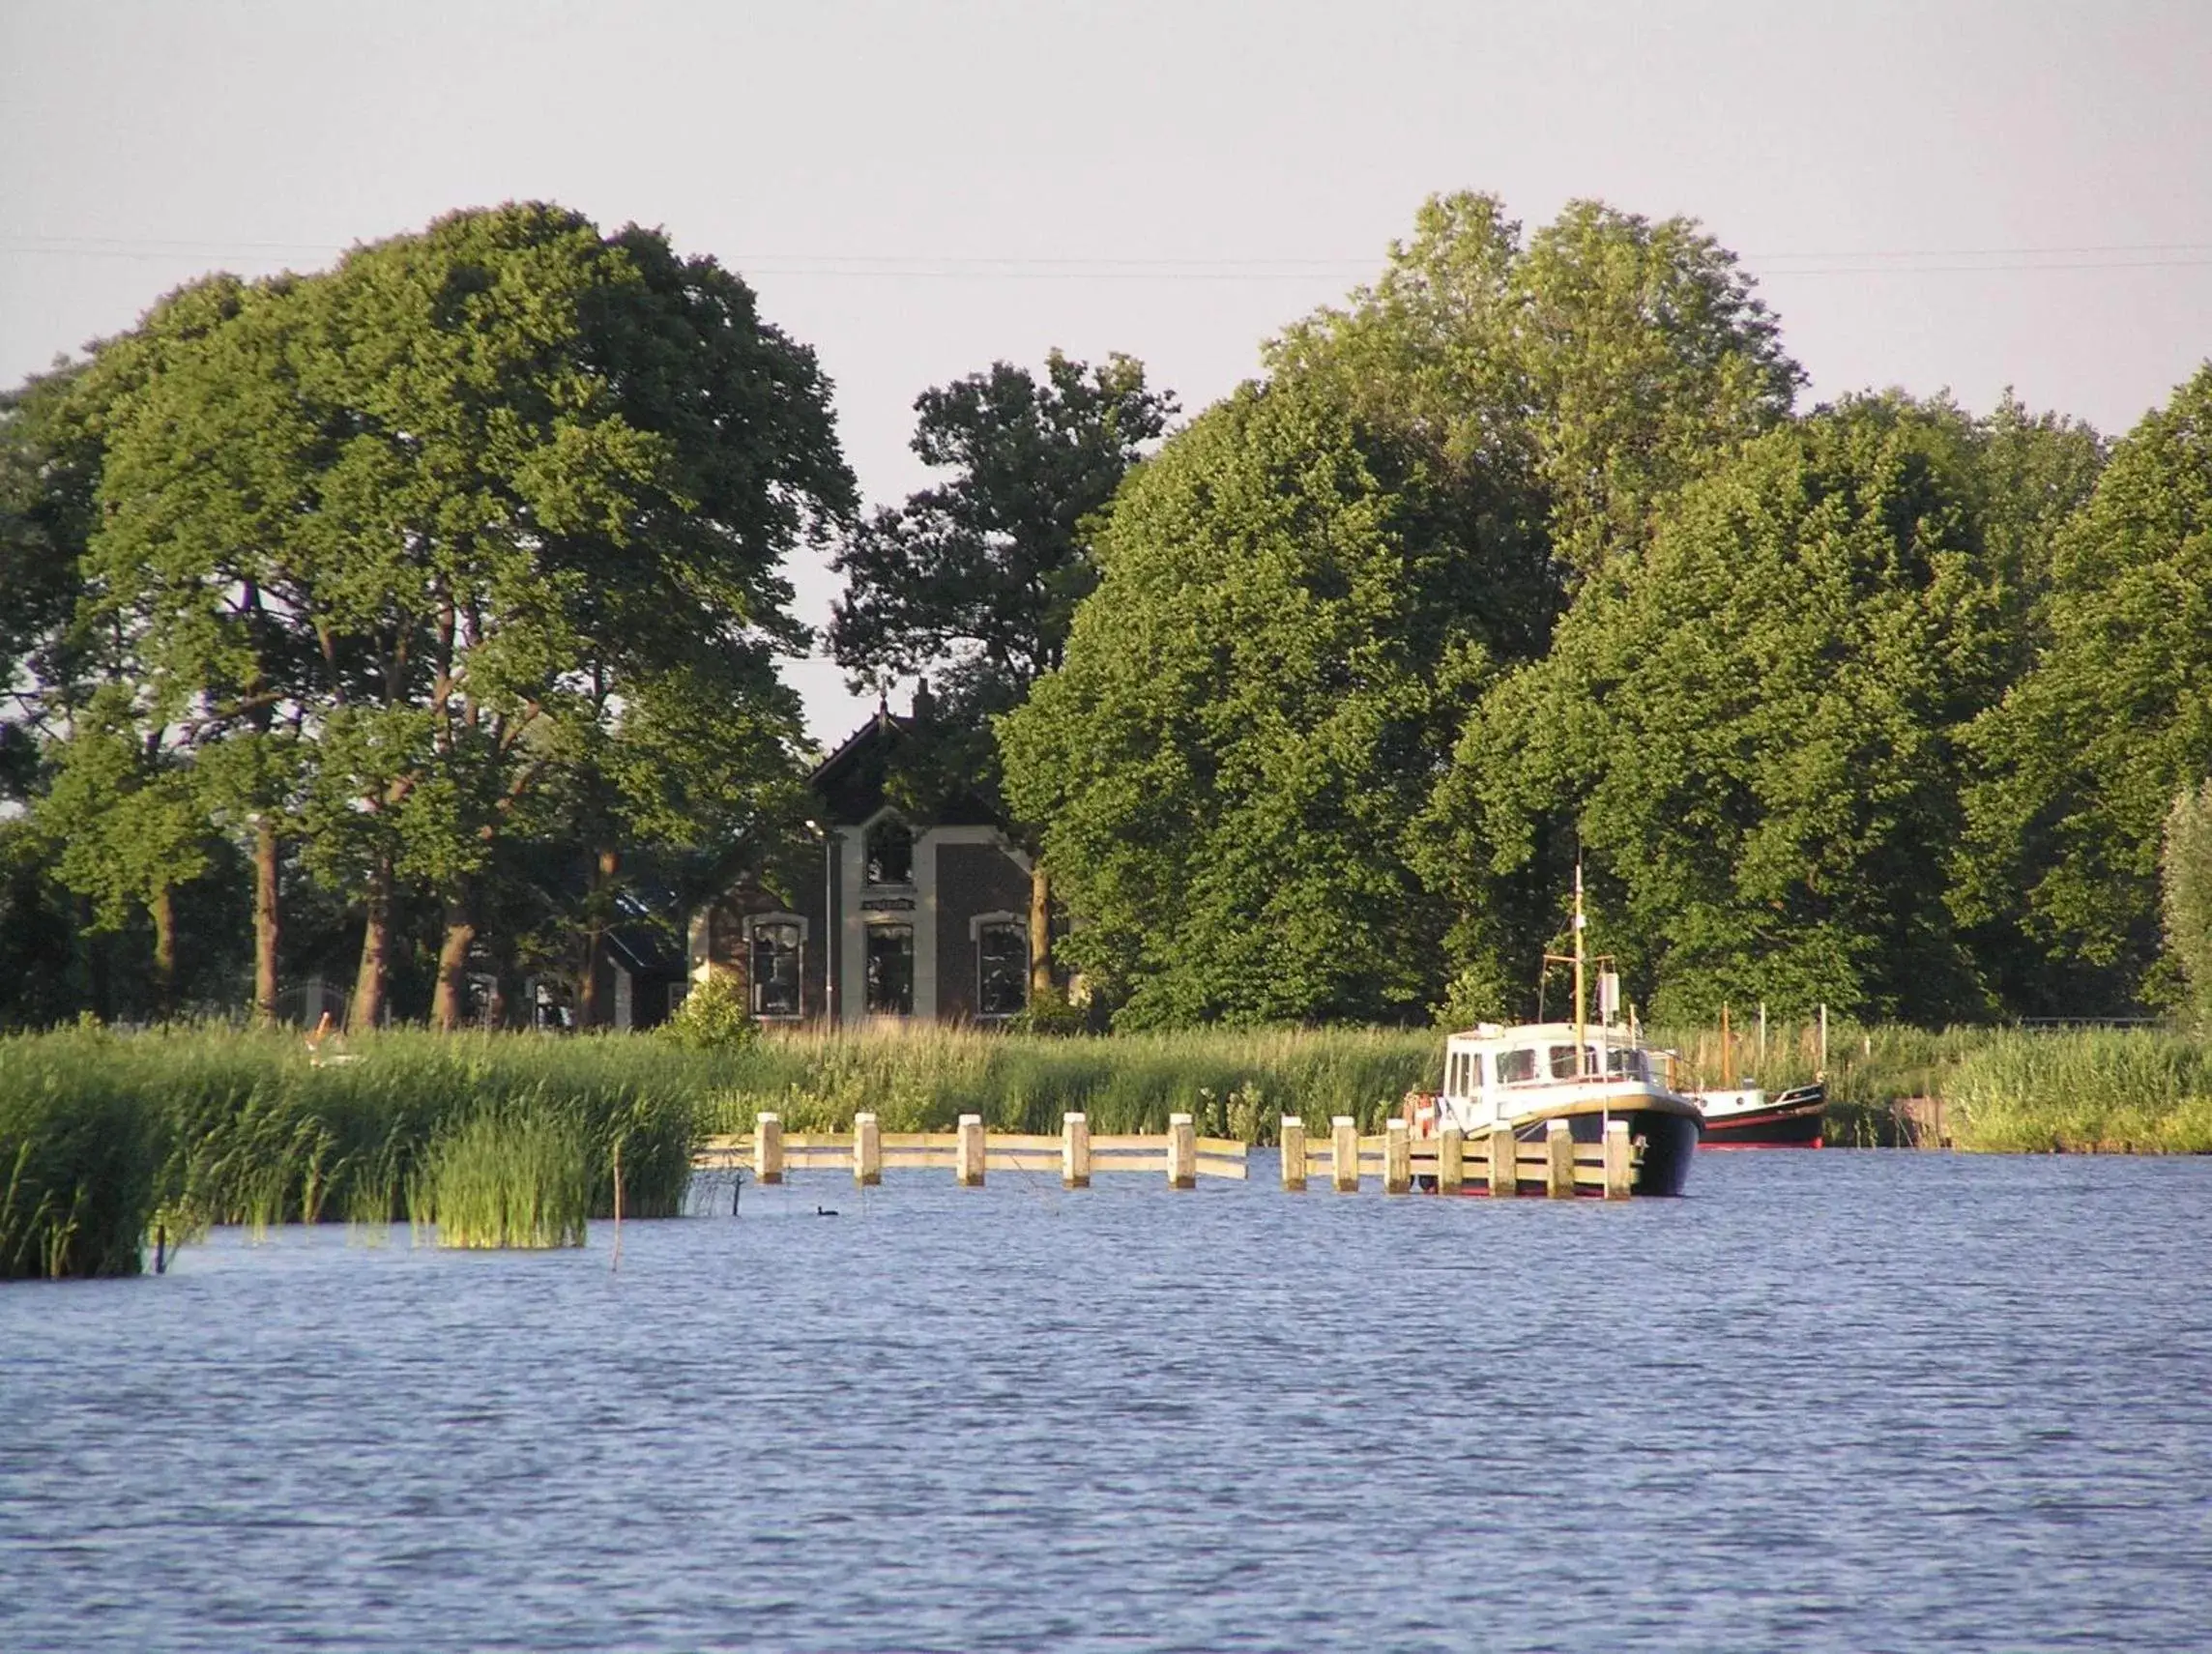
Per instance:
{"type": "Point", "coordinates": [1498, 1162]}
{"type": "Point", "coordinates": [1449, 1163]}
{"type": "Point", "coordinates": [971, 1152]}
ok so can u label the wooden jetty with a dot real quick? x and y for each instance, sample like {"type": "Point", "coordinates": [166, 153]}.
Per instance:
{"type": "Point", "coordinates": [1498, 1164]}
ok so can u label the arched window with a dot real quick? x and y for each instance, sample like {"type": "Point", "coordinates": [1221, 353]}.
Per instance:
{"type": "Point", "coordinates": [891, 852]}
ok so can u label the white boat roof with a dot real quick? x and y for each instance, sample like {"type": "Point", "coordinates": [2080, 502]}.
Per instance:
{"type": "Point", "coordinates": [1544, 1033]}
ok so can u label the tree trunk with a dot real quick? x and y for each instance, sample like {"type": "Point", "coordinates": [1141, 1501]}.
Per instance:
{"type": "Point", "coordinates": [1041, 991]}
{"type": "Point", "coordinates": [98, 985]}
{"type": "Point", "coordinates": [161, 908]}
{"type": "Point", "coordinates": [589, 1011]}
{"type": "Point", "coordinates": [368, 986]}
{"type": "Point", "coordinates": [453, 961]}
{"type": "Point", "coordinates": [267, 920]}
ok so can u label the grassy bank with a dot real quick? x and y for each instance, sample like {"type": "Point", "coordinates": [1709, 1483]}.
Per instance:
{"type": "Point", "coordinates": [102, 1136]}
{"type": "Point", "coordinates": [509, 1140]}
{"type": "Point", "coordinates": [505, 1139]}
{"type": "Point", "coordinates": [2103, 1092]}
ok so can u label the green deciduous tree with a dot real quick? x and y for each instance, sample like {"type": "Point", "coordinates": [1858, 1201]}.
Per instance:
{"type": "Point", "coordinates": [1570, 381]}
{"type": "Point", "coordinates": [975, 582]}
{"type": "Point", "coordinates": [2185, 877]}
{"type": "Point", "coordinates": [2080, 763]}
{"type": "Point", "coordinates": [127, 826]}
{"type": "Point", "coordinates": [408, 549]}
{"type": "Point", "coordinates": [1244, 725]}
{"type": "Point", "coordinates": [1751, 733]}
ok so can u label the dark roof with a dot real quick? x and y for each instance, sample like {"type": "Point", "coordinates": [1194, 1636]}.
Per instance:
{"type": "Point", "coordinates": [853, 781]}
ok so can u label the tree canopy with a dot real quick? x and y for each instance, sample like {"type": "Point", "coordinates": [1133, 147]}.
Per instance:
{"type": "Point", "coordinates": [1750, 734]}
{"type": "Point", "coordinates": [2082, 760]}
{"type": "Point", "coordinates": [481, 529]}
{"type": "Point", "coordinates": [431, 600]}
{"type": "Point", "coordinates": [1227, 762]}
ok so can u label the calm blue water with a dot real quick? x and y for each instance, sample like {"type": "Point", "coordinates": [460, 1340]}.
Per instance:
{"type": "Point", "coordinates": [1833, 1401]}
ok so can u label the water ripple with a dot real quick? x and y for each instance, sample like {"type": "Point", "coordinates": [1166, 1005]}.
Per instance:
{"type": "Point", "coordinates": [1833, 1401]}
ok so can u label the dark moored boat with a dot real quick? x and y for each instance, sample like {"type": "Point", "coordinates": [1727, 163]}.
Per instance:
{"type": "Point", "coordinates": [1747, 1118]}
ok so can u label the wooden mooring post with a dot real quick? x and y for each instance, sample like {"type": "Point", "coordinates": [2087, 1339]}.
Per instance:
{"type": "Point", "coordinates": [968, 1155]}
{"type": "Point", "coordinates": [1558, 1160]}
{"type": "Point", "coordinates": [1451, 1161]}
{"type": "Point", "coordinates": [767, 1149]}
{"type": "Point", "coordinates": [1075, 1151]}
{"type": "Point", "coordinates": [1504, 1177]}
{"type": "Point", "coordinates": [1182, 1152]}
{"type": "Point", "coordinates": [868, 1152]}
{"type": "Point", "coordinates": [1397, 1157]}
{"type": "Point", "coordinates": [1620, 1161]}
{"type": "Point", "coordinates": [1343, 1153]}
{"type": "Point", "coordinates": [1294, 1139]}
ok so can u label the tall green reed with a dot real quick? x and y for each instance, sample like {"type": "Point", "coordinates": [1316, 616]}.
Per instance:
{"type": "Point", "coordinates": [513, 1175]}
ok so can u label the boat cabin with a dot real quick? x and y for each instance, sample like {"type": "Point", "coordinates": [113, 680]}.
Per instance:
{"type": "Point", "coordinates": [1497, 1073]}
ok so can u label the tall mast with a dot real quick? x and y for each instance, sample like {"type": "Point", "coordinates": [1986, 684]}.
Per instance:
{"type": "Point", "coordinates": [1581, 1036]}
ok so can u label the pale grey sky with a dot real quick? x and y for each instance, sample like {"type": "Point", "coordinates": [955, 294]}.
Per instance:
{"type": "Point", "coordinates": [1934, 194]}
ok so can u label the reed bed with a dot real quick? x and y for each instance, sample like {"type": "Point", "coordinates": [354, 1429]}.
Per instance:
{"type": "Point", "coordinates": [505, 1176]}
{"type": "Point", "coordinates": [79, 1157]}
{"type": "Point", "coordinates": [1234, 1083]}
{"type": "Point", "coordinates": [2102, 1091]}
{"type": "Point", "coordinates": [109, 1135]}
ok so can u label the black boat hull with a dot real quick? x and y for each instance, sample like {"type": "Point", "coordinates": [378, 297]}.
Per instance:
{"type": "Point", "coordinates": [1793, 1119]}
{"type": "Point", "coordinates": [1668, 1138]}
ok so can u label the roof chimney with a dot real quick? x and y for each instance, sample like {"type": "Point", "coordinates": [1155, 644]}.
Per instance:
{"type": "Point", "coordinates": [923, 706]}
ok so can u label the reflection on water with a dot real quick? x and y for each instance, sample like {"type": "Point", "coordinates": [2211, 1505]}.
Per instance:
{"type": "Point", "coordinates": [1830, 1401]}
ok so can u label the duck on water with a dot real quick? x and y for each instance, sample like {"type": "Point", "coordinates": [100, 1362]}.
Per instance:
{"type": "Point", "coordinates": [1587, 1074]}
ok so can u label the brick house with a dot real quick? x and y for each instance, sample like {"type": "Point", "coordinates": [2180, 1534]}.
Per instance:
{"type": "Point", "coordinates": [899, 918]}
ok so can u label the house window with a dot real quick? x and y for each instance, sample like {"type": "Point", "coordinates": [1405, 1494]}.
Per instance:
{"type": "Point", "coordinates": [891, 852]}
{"type": "Point", "coordinates": [890, 971]}
{"type": "Point", "coordinates": [775, 969]}
{"type": "Point", "coordinates": [1002, 969]}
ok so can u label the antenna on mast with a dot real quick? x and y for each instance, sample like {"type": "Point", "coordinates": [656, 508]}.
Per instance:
{"type": "Point", "coordinates": [1582, 1024]}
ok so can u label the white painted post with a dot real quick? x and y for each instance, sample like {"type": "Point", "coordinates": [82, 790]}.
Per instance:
{"type": "Point", "coordinates": [1451, 1161]}
{"type": "Point", "coordinates": [1343, 1153]}
{"type": "Point", "coordinates": [1504, 1162]}
{"type": "Point", "coordinates": [1074, 1151]}
{"type": "Point", "coordinates": [868, 1152]}
{"type": "Point", "coordinates": [1558, 1160]}
{"type": "Point", "coordinates": [1620, 1161]}
{"type": "Point", "coordinates": [1182, 1153]}
{"type": "Point", "coordinates": [968, 1155]}
{"type": "Point", "coordinates": [1294, 1139]}
{"type": "Point", "coordinates": [767, 1149]}
{"type": "Point", "coordinates": [1397, 1157]}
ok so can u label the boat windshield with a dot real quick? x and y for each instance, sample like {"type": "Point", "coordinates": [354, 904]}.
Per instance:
{"type": "Point", "coordinates": [1516, 1066]}
{"type": "Point", "coordinates": [1564, 1066]}
{"type": "Point", "coordinates": [1624, 1064]}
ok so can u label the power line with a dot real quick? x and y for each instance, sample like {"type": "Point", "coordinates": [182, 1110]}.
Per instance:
{"type": "Point", "coordinates": [910, 266]}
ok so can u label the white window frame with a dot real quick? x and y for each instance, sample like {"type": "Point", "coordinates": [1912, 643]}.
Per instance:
{"type": "Point", "coordinates": [753, 921]}
{"type": "Point", "coordinates": [975, 928]}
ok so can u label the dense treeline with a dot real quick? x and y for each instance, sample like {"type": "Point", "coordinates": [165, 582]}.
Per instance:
{"type": "Point", "coordinates": [1525, 555]}
{"type": "Point", "coordinates": [405, 612]}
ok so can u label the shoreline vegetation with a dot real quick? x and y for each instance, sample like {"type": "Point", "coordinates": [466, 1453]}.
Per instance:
{"type": "Point", "coordinates": [510, 1139]}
